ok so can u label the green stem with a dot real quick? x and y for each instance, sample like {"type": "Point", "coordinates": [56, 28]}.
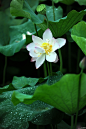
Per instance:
{"type": "Point", "coordinates": [37, 126]}
{"type": "Point", "coordinates": [53, 10]}
{"type": "Point", "coordinates": [78, 59]}
{"type": "Point", "coordinates": [78, 98]}
{"type": "Point", "coordinates": [45, 70]}
{"type": "Point", "coordinates": [72, 119]}
{"type": "Point", "coordinates": [50, 68]}
{"type": "Point", "coordinates": [47, 22]}
{"type": "Point", "coordinates": [60, 56]}
{"type": "Point", "coordinates": [4, 71]}
{"type": "Point", "coordinates": [36, 29]}
{"type": "Point", "coordinates": [69, 56]}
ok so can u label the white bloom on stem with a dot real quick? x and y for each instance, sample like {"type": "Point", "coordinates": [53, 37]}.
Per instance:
{"type": "Point", "coordinates": [41, 49]}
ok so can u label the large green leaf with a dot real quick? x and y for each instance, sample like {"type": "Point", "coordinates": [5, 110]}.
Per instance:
{"type": "Point", "coordinates": [14, 117]}
{"type": "Point", "coordinates": [79, 35]}
{"type": "Point", "coordinates": [81, 2]}
{"type": "Point", "coordinates": [22, 8]}
{"type": "Point", "coordinates": [9, 44]}
{"type": "Point", "coordinates": [61, 26]}
{"type": "Point", "coordinates": [62, 95]}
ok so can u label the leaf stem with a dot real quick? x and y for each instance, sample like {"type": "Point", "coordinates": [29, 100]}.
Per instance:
{"type": "Point", "coordinates": [45, 70]}
{"type": "Point", "coordinates": [36, 29]}
{"type": "Point", "coordinates": [4, 71]}
{"type": "Point", "coordinates": [69, 56]}
{"type": "Point", "coordinates": [50, 68]}
{"type": "Point", "coordinates": [72, 119]}
{"type": "Point", "coordinates": [60, 56]}
{"type": "Point", "coordinates": [78, 99]}
{"type": "Point", "coordinates": [53, 10]}
{"type": "Point", "coordinates": [78, 59]}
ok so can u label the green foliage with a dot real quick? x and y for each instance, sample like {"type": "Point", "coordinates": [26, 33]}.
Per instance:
{"type": "Point", "coordinates": [79, 35]}
{"type": "Point", "coordinates": [67, 2]}
{"type": "Point", "coordinates": [64, 94]}
{"type": "Point", "coordinates": [22, 8]}
{"type": "Point", "coordinates": [81, 2]}
{"type": "Point", "coordinates": [20, 82]}
{"type": "Point", "coordinates": [38, 113]}
{"type": "Point", "coordinates": [61, 26]}
{"type": "Point", "coordinates": [58, 13]}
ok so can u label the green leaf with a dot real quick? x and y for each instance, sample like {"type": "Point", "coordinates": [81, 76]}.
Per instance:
{"type": "Point", "coordinates": [61, 26]}
{"type": "Point", "coordinates": [67, 2]}
{"type": "Point", "coordinates": [56, 1]}
{"type": "Point", "coordinates": [58, 13]}
{"type": "Point", "coordinates": [7, 88]}
{"type": "Point", "coordinates": [63, 125]}
{"type": "Point", "coordinates": [33, 4]}
{"type": "Point", "coordinates": [19, 116]}
{"type": "Point", "coordinates": [62, 95]}
{"type": "Point", "coordinates": [54, 78]}
{"type": "Point", "coordinates": [79, 35]}
{"type": "Point", "coordinates": [81, 2]}
{"type": "Point", "coordinates": [20, 82]}
{"type": "Point", "coordinates": [22, 8]}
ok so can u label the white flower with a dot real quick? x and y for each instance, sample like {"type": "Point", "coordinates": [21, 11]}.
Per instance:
{"type": "Point", "coordinates": [41, 49]}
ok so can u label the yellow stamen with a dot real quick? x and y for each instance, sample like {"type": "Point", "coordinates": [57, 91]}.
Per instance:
{"type": "Point", "coordinates": [47, 47]}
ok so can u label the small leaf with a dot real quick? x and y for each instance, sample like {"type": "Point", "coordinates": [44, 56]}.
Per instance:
{"type": "Point", "coordinates": [20, 82]}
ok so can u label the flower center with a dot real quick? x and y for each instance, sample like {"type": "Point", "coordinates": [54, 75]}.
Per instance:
{"type": "Point", "coordinates": [47, 47]}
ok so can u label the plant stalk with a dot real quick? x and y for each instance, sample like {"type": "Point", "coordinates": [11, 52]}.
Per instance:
{"type": "Point", "coordinates": [45, 69]}
{"type": "Point", "coordinates": [72, 119]}
{"type": "Point", "coordinates": [60, 56]}
{"type": "Point", "coordinates": [53, 10]}
{"type": "Point", "coordinates": [4, 71]}
{"type": "Point", "coordinates": [79, 87]}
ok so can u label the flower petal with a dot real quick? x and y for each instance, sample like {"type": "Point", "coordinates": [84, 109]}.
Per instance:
{"type": "Point", "coordinates": [55, 46]}
{"type": "Point", "coordinates": [33, 59]}
{"type": "Point", "coordinates": [47, 35]}
{"type": "Point", "coordinates": [40, 61]}
{"type": "Point", "coordinates": [56, 59]}
{"type": "Point", "coordinates": [51, 57]}
{"type": "Point", "coordinates": [40, 50]}
{"type": "Point", "coordinates": [61, 41]}
{"type": "Point", "coordinates": [38, 41]}
{"type": "Point", "coordinates": [33, 53]}
{"type": "Point", "coordinates": [30, 46]}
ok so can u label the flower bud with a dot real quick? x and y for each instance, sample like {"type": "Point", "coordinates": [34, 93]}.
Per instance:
{"type": "Point", "coordinates": [41, 9]}
{"type": "Point", "coordinates": [82, 63]}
